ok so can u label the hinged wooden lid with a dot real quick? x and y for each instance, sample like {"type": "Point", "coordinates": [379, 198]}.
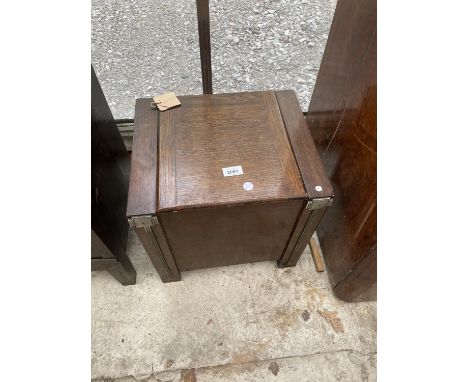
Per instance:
{"type": "Point", "coordinates": [209, 133]}
{"type": "Point", "coordinates": [193, 155]}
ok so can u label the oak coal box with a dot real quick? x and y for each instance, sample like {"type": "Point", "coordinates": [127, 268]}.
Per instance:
{"type": "Point", "coordinates": [225, 179]}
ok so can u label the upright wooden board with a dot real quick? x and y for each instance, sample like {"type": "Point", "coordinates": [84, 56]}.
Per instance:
{"type": "Point", "coordinates": [342, 118]}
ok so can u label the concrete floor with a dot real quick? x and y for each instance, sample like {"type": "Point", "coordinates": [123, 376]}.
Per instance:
{"type": "Point", "coordinates": [249, 322]}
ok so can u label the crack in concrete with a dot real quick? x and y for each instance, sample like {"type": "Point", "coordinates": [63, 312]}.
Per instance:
{"type": "Point", "coordinates": [147, 378]}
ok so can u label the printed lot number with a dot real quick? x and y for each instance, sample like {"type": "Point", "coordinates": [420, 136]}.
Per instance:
{"type": "Point", "coordinates": [232, 171]}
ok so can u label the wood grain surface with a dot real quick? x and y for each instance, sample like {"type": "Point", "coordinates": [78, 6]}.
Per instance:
{"type": "Point", "coordinates": [342, 118]}
{"type": "Point", "coordinates": [142, 193]}
{"type": "Point", "coordinates": [210, 132]}
{"type": "Point", "coordinates": [307, 156]}
{"type": "Point", "coordinates": [241, 233]}
{"type": "Point", "coordinates": [203, 18]}
{"type": "Point", "coordinates": [207, 219]}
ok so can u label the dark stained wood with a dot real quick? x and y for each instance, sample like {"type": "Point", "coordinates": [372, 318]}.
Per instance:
{"type": "Point", "coordinates": [109, 175]}
{"type": "Point", "coordinates": [342, 118]}
{"type": "Point", "coordinates": [311, 220]}
{"type": "Point", "coordinates": [210, 132]}
{"type": "Point", "coordinates": [99, 249]}
{"type": "Point", "coordinates": [243, 233]}
{"type": "Point", "coordinates": [203, 16]}
{"type": "Point", "coordinates": [142, 198]}
{"type": "Point", "coordinates": [306, 154]}
{"type": "Point", "coordinates": [302, 218]}
{"type": "Point", "coordinates": [361, 283]}
{"type": "Point", "coordinates": [122, 270]}
{"type": "Point", "coordinates": [205, 219]}
{"type": "Point", "coordinates": [110, 167]}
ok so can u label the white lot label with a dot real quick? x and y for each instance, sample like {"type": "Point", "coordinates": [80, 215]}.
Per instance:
{"type": "Point", "coordinates": [231, 171]}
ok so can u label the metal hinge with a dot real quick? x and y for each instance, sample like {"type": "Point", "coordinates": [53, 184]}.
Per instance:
{"type": "Point", "coordinates": [319, 203]}
{"type": "Point", "coordinates": [143, 221]}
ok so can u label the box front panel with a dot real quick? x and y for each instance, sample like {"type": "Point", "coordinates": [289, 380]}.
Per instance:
{"type": "Point", "coordinates": [218, 236]}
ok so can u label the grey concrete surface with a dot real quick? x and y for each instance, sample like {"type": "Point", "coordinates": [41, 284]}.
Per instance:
{"type": "Point", "coordinates": [343, 366]}
{"type": "Point", "coordinates": [228, 324]}
{"type": "Point", "coordinates": [145, 48]}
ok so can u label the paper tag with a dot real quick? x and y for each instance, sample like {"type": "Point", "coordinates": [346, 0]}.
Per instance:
{"type": "Point", "coordinates": [166, 101]}
{"type": "Point", "coordinates": [231, 171]}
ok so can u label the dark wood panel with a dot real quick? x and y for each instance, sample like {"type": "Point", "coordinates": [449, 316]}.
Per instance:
{"type": "Point", "coordinates": [110, 168]}
{"type": "Point", "coordinates": [123, 272]}
{"type": "Point", "coordinates": [210, 132]}
{"type": "Point", "coordinates": [203, 17]}
{"type": "Point", "coordinates": [306, 153]}
{"type": "Point", "coordinates": [282, 144]}
{"type": "Point", "coordinates": [142, 194]}
{"type": "Point", "coordinates": [295, 236]}
{"type": "Point", "coordinates": [313, 219]}
{"type": "Point", "coordinates": [99, 249]}
{"type": "Point", "coordinates": [212, 237]}
{"type": "Point", "coordinates": [361, 283]}
{"type": "Point", "coordinates": [342, 118]}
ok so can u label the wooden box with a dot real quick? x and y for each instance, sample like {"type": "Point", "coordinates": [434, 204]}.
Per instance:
{"type": "Point", "coordinates": [225, 179]}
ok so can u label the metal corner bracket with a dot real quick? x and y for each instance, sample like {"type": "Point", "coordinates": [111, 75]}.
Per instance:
{"type": "Point", "coordinates": [319, 203]}
{"type": "Point", "coordinates": [143, 221]}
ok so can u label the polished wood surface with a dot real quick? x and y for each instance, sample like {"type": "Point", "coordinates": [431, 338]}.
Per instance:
{"type": "Point", "coordinates": [361, 283]}
{"type": "Point", "coordinates": [203, 17]}
{"type": "Point", "coordinates": [199, 218]}
{"type": "Point", "coordinates": [311, 221]}
{"type": "Point", "coordinates": [307, 156]}
{"type": "Point", "coordinates": [110, 167]}
{"type": "Point", "coordinates": [210, 132]}
{"type": "Point", "coordinates": [243, 233]}
{"type": "Point", "coordinates": [144, 168]}
{"type": "Point", "coordinates": [342, 118]}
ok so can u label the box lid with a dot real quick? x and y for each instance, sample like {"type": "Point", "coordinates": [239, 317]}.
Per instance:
{"type": "Point", "coordinates": [220, 149]}
{"type": "Point", "coordinates": [225, 148]}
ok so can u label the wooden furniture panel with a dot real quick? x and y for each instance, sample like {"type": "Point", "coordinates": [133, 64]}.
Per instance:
{"type": "Point", "coordinates": [342, 118]}
{"type": "Point", "coordinates": [199, 218]}
{"type": "Point", "coordinates": [203, 17]}
{"type": "Point", "coordinates": [306, 153]}
{"type": "Point", "coordinates": [210, 132]}
{"type": "Point", "coordinates": [143, 179]}
{"type": "Point", "coordinates": [225, 233]}
{"type": "Point", "coordinates": [103, 260]}
{"type": "Point", "coordinates": [110, 166]}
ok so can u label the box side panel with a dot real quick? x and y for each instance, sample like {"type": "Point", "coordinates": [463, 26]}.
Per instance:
{"type": "Point", "coordinates": [213, 237]}
{"type": "Point", "coordinates": [142, 191]}
{"type": "Point", "coordinates": [308, 159]}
